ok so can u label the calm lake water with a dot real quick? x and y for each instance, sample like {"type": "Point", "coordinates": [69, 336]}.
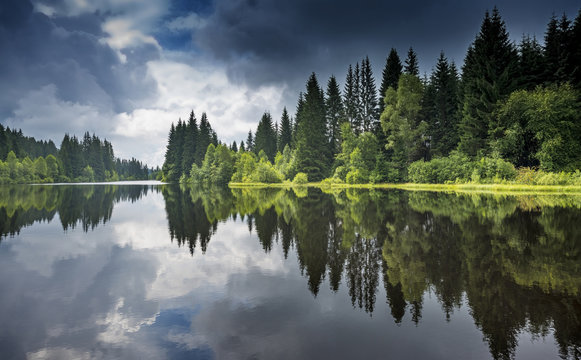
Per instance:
{"type": "Point", "coordinates": [159, 271]}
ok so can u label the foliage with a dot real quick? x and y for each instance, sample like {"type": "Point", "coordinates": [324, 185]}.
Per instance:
{"type": "Point", "coordinates": [301, 178]}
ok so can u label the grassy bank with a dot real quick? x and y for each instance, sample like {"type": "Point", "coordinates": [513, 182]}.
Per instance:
{"type": "Point", "coordinates": [466, 187]}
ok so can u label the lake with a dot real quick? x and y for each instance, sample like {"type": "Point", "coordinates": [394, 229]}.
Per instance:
{"type": "Point", "coordinates": [150, 271]}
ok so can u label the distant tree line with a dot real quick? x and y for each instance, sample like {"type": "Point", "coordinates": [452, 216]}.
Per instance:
{"type": "Point", "coordinates": [81, 161]}
{"type": "Point", "coordinates": [511, 108]}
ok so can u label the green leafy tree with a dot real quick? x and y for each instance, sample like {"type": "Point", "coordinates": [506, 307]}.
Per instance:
{"type": "Point", "coordinates": [401, 121]}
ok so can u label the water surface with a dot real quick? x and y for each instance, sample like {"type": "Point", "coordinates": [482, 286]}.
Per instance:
{"type": "Point", "coordinates": [157, 271]}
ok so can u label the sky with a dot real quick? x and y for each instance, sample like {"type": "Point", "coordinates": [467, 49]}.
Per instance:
{"type": "Point", "coordinates": [126, 69]}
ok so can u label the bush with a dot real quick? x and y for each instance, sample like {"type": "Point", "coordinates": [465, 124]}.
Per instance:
{"type": "Point", "coordinates": [301, 178]}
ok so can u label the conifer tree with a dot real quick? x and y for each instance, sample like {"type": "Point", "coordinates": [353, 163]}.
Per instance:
{"type": "Point", "coordinates": [265, 138]}
{"type": "Point", "coordinates": [368, 93]}
{"type": "Point", "coordinates": [241, 148]}
{"type": "Point", "coordinates": [531, 63]}
{"type": "Point", "coordinates": [489, 75]}
{"type": "Point", "coordinates": [312, 156]}
{"type": "Point", "coordinates": [441, 108]}
{"type": "Point", "coordinates": [357, 116]}
{"type": "Point", "coordinates": [285, 137]}
{"type": "Point", "coordinates": [575, 52]}
{"type": "Point", "coordinates": [299, 111]}
{"type": "Point", "coordinates": [250, 142]}
{"type": "Point", "coordinates": [390, 76]}
{"type": "Point", "coordinates": [350, 98]}
{"type": "Point", "coordinates": [335, 115]}
{"type": "Point", "coordinates": [411, 63]}
{"type": "Point", "coordinates": [206, 136]}
{"type": "Point", "coordinates": [190, 143]}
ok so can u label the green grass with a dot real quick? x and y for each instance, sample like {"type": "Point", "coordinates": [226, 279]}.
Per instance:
{"type": "Point", "coordinates": [467, 187]}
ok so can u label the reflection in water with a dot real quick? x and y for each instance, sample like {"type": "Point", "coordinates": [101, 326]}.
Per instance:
{"type": "Point", "coordinates": [514, 260]}
{"type": "Point", "coordinates": [87, 205]}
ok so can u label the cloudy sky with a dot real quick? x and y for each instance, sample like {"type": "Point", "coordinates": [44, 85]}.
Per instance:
{"type": "Point", "coordinates": [127, 69]}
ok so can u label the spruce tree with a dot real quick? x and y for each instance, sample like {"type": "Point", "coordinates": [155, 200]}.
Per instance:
{"type": "Point", "coordinates": [250, 142]}
{"type": "Point", "coordinates": [357, 121]}
{"type": "Point", "coordinates": [350, 99]}
{"type": "Point", "coordinates": [441, 108]}
{"type": "Point", "coordinates": [575, 52]}
{"type": "Point", "coordinates": [285, 137]}
{"type": "Point", "coordinates": [298, 114]}
{"type": "Point", "coordinates": [489, 75]}
{"type": "Point", "coordinates": [335, 115]}
{"type": "Point", "coordinates": [411, 63]}
{"type": "Point", "coordinates": [312, 156]}
{"type": "Point", "coordinates": [390, 76]}
{"type": "Point", "coordinates": [265, 138]}
{"type": "Point", "coordinates": [557, 47]}
{"type": "Point", "coordinates": [531, 63]}
{"type": "Point", "coordinates": [190, 142]}
{"type": "Point", "coordinates": [206, 136]}
{"type": "Point", "coordinates": [368, 94]}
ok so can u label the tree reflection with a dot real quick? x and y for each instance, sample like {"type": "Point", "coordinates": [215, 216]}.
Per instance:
{"type": "Point", "coordinates": [515, 260]}
{"type": "Point", "coordinates": [87, 205]}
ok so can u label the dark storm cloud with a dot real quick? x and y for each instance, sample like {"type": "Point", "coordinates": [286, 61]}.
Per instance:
{"type": "Point", "coordinates": [269, 41]}
{"type": "Point", "coordinates": [68, 53]}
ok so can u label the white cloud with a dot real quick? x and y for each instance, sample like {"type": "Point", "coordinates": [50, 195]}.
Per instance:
{"type": "Point", "coordinates": [232, 109]}
{"type": "Point", "coordinates": [123, 34]}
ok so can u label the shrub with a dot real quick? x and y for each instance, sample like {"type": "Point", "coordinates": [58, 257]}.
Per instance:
{"type": "Point", "coordinates": [301, 178]}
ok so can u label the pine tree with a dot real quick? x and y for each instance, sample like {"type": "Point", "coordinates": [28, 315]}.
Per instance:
{"type": "Point", "coordinates": [285, 137]}
{"type": "Point", "coordinates": [190, 143]}
{"type": "Point", "coordinates": [350, 99]}
{"type": "Point", "coordinates": [234, 147]}
{"type": "Point", "coordinates": [241, 148]}
{"type": "Point", "coordinates": [299, 111]}
{"type": "Point", "coordinates": [575, 52]}
{"type": "Point", "coordinates": [357, 121]}
{"type": "Point", "coordinates": [265, 138]}
{"type": "Point", "coordinates": [557, 38]}
{"type": "Point", "coordinates": [250, 142]}
{"type": "Point", "coordinates": [312, 156]}
{"type": "Point", "coordinates": [441, 108]}
{"type": "Point", "coordinates": [531, 63]}
{"type": "Point", "coordinates": [335, 115]}
{"type": "Point", "coordinates": [390, 76]}
{"type": "Point", "coordinates": [411, 63]}
{"type": "Point", "coordinates": [489, 75]}
{"type": "Point", "coordinates": [369, 109]}
{"type": "Point", "coordinates": [206, 136]}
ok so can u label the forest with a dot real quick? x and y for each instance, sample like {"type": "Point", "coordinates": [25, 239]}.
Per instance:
{"type": "Point", "coordinates": [510, 114]}
{"type": "Point", "coordinates": [24, 159]}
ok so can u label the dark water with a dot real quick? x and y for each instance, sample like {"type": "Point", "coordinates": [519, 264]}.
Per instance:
{"type": "Point", "coordinates": [154, 272]}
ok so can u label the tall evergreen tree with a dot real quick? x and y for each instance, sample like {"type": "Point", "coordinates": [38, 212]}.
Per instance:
{"type": "Point", "coordinates": [411, 63]}
{"type": "Point", "coordinates": [250, 142]}
{"type": "Point", "coordinates": [390, 76]}
{"type": "Point", "coordinates": [575, 52]}
{"type": "Point", "coordinates": [368, 93]}
{"type": "Point", "coordinates": [557, 46]}
{"type": "Point", "coordinates": [265, 138]}
{"type": "Point", "coordinates": [206, 136]}
{"type": "Point", "coordinates": [190, 143]}
{"type": "Point", "coordinates": [298, 114]}
{"type": "Point", "coordinates": [489, 75]}
{"type": "Point", "coordinates": [285, 137]}
{"type": "Point", "coordinates": [531, 63]}
{"type": "Point", "coordinates": [441, 106]}
{"type": "Point", "coordinates": [350, 97]}
{"type": "Point", "coordinates": [335, 115]}
{"type": "Point", "coordinates": [357, 121]}
{"type": "Point", "coordinates": [312, 156]}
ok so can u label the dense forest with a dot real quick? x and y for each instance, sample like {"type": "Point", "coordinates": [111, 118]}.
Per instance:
{"type": "Point", "coordinates": [510, 114]}
{"type": "Point", "coordinates": [25, 160]}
